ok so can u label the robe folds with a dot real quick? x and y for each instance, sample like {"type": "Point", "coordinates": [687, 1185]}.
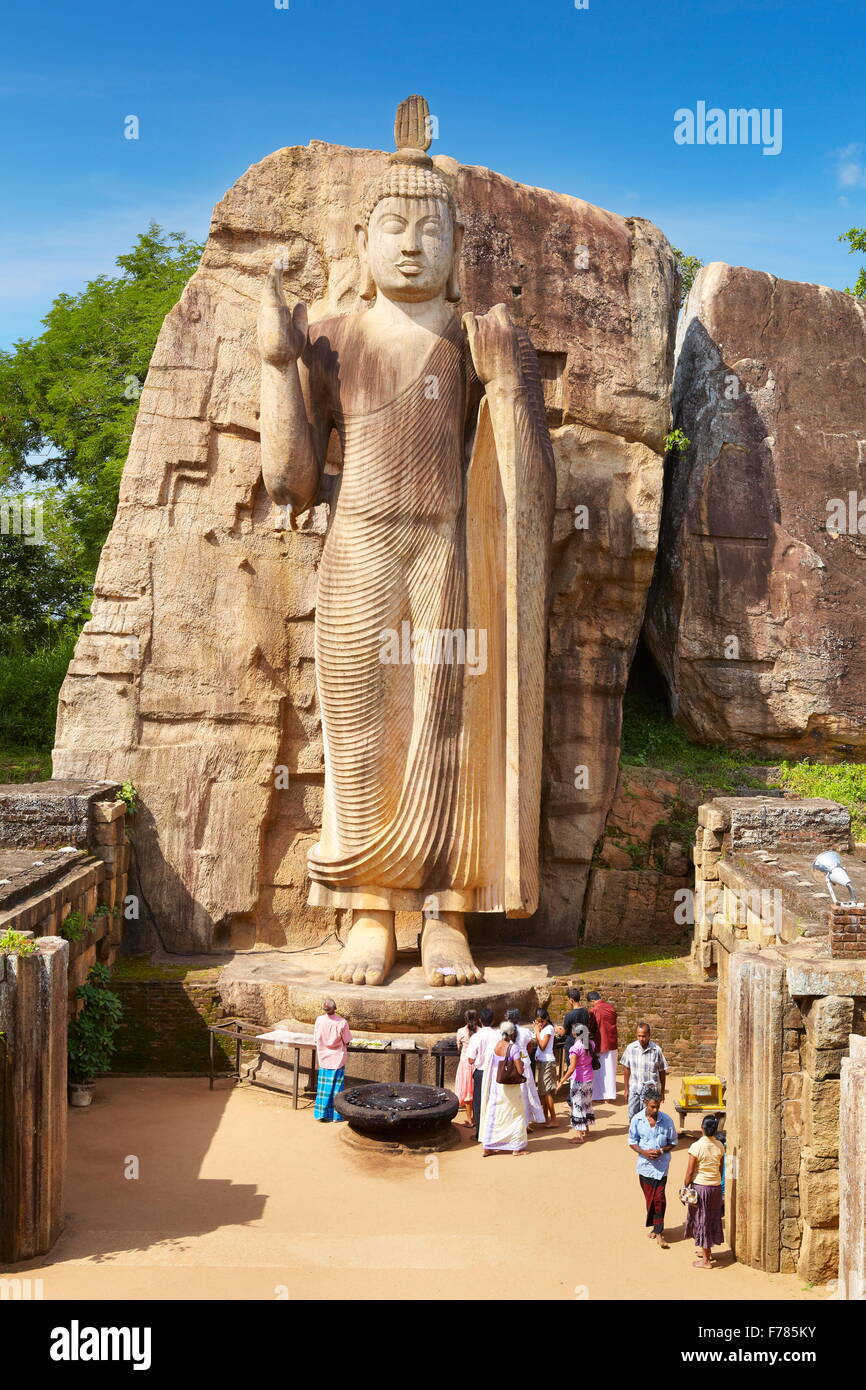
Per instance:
{"type": "Point", "coordinates": [431, 635]}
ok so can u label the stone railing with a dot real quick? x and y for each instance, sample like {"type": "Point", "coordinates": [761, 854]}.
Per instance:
{"type": "Point", "coordinates": [63, 852]}
{"type": "Point", "coordinates": [753, 880]}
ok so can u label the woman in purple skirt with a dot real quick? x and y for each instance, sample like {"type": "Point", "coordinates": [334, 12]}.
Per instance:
{"type": "Point", "coordinates": [704, 1172]}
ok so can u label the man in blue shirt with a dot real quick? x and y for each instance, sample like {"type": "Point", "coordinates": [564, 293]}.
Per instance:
{"type": "Point", "coordinates": [653, 1137]}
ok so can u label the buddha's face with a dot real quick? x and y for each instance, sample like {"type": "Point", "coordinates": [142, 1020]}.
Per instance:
{"type": "Point", "coordinates": [410, 245]}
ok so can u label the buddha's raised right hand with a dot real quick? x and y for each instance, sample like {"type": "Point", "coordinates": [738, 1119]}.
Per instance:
{"type": "Point", "coordinates": [282, 332]}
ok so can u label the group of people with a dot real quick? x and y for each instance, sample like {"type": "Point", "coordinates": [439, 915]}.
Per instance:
{"type": "Point", "coordinates": [488, 1053]}
{"type": "Point", "coordinates": [507, 1081]}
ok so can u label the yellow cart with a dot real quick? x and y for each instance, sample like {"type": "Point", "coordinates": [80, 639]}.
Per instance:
{"type": "Point", "coordinates": [701, 1095]}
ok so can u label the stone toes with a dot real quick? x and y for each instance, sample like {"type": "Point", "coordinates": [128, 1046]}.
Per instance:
{"type": "Point", "coordinates": [359, 973]}
{"type": "Point", "coordinates": [435, 979]}
{"type": "Point", "coordinates": [375, 976]}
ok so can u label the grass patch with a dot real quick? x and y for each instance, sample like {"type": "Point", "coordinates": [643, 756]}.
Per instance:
{"type": "Point", "coordinates": [21, 764]}
{"type": "Point", "coordinates": [585, 959]}
{"type": "Point", "coordinates": [650, 738]}
{"type": "Point", "coordinates": [842, 782]}
{"type": "Point", "coordinates": [139, 969]}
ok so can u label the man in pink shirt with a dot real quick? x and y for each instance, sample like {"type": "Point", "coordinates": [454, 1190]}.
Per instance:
{"type": "Point", "coordinates": [332, 1037]}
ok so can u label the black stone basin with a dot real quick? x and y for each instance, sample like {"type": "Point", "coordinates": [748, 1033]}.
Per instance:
{"type": "Point", "coordinates": [393, 1111]}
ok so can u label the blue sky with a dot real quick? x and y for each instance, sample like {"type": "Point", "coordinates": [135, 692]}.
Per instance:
{"type": "Point", "coordinates": [581, 101]}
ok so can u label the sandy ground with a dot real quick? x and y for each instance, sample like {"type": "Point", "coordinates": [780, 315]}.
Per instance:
{"type": "Point", "coordinates": [237, 1196]}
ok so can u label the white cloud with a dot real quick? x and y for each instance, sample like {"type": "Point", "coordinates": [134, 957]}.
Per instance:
{"type": "Point", "coordinates": [850, 166]}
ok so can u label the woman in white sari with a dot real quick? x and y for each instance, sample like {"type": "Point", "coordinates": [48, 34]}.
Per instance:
{"type": "Point", "coordinates": [503, 1112]}
{"type": "Point", "coordinates": [532, 1106]}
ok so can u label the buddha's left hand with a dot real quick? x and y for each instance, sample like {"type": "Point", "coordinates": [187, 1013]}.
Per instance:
{"type": "Point", "coordinates": [494, 348]}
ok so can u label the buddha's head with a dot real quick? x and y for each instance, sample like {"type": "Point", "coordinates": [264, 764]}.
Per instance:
{"type": "Point", "coordinates": [410, 237]}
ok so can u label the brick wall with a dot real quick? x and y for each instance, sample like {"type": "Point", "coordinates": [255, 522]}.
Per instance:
{"type": "Point", "coordinates": [164, 1028]}
{"type": "Point", "coordinates": [848, 931]}
{"type": "Point", "coordinates": [682, 1016]}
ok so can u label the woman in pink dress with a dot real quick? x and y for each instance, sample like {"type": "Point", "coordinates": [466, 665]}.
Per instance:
{"type": "Point", "coordinates": [579, 1077]}
{"type": "Point", "coordinates": [463, 1080]}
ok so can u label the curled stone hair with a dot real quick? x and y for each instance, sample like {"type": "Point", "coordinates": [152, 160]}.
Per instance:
{"type": "Point", "coordinates": [408, 181]}
{"type": "Point", "coordinates": [411, 173]}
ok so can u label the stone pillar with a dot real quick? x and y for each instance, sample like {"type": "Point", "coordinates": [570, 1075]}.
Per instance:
{"type": "Point", "coordinates": [33, 1019]}
{"type": "Point", "coordinates": [828, 1024]}
{"type": "Point", "coordinates": [852, 1173]}
{"type": "Point", "coordinates": [756, 1007]}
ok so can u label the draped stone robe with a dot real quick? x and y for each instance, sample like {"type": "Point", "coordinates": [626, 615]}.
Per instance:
{"type": "Point", "coordinates": [421, 770]}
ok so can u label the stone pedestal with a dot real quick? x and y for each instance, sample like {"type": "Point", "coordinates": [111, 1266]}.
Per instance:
{"type": "Point", "coordinates": [269, 987]}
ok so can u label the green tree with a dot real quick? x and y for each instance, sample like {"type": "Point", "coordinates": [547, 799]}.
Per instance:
{"type": "Point", "coordinates": [856, 238]}
{"type": "Point", "coordinates": [40, 581]}
{"type": "Point", "coordinates": [689, 267]}
{"type": "Point", "coordinates": [68, 399]}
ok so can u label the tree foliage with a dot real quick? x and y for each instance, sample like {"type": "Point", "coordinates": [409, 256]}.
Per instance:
{"type": "Point", "coordinates": [68, 401]}
{"type": "Point", "coordinates": [68, 398]}
{"type": "Point", "coordinates": [689, 267]}
{"type": "Point", "coordinates": [856, 238]}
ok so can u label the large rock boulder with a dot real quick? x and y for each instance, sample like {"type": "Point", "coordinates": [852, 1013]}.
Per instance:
{"type": "Point", "coordinates": [756, 616]}
{"type": "Point", "coordinates": [194, 677]}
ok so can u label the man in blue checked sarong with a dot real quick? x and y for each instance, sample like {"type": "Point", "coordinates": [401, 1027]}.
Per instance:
{"type": "Point", "coordinates": [332, 1037]}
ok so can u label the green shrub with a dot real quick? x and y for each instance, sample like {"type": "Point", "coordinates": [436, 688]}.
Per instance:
{"type": "Point", "coordinates": [31, 675]}
{"type": "Point", "coordinates": [15, 943]}
{"type": "Point", "coordinates": [842, 782]}
{"type": "Point", "coordinates": [676, 442]}
{"type": "Point", "coordinates": [74, 926]}
{"type": "Point", "coordinates": [92, 1031]}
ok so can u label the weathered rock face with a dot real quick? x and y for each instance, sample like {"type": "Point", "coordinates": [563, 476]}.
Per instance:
{"type": "Point", "coordinates": [194, 677]}
{"type": "Point", "coordinates": [756, 613]}
{"type": "Point", "coordinates": [642, 864]}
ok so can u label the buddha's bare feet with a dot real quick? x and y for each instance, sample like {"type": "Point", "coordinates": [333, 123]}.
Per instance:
{"type": "Point", "coordinates": [368, 956]}
{"type": "Point", "coordinates": [445, 953]}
